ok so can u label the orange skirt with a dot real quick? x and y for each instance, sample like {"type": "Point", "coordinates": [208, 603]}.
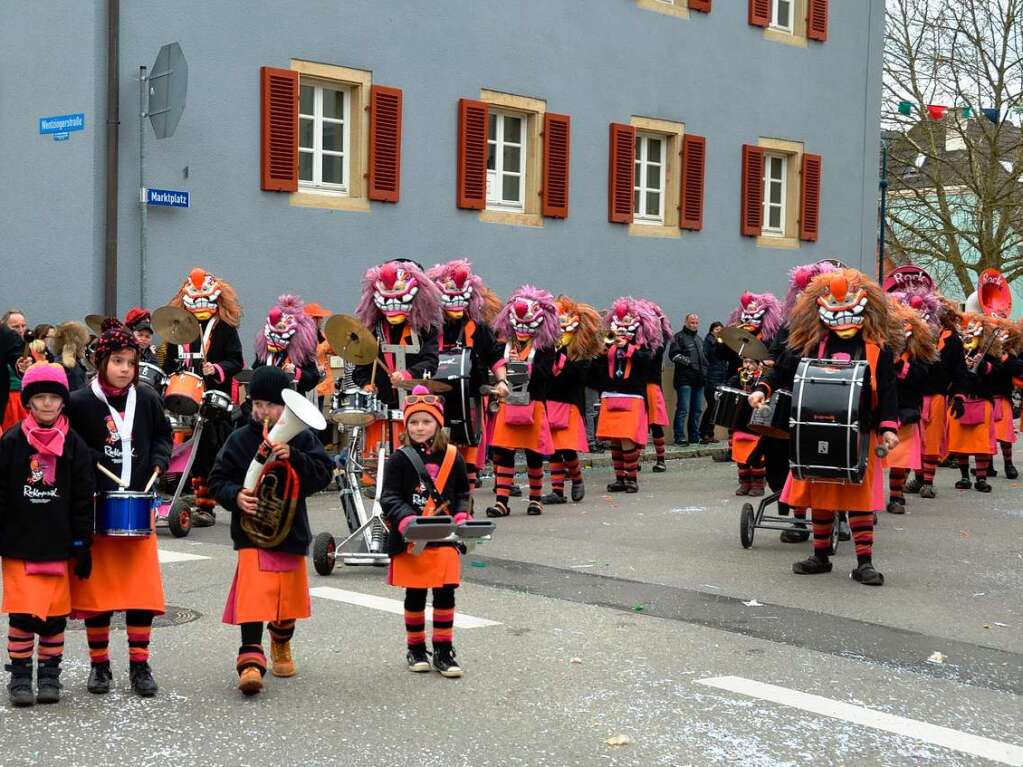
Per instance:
{"type": "Point", "coordinates": [262, 595]}
{"type": "Point", "coordinates": [470, 454]}
{"type": "Point", "coordinates": [656, 410]}
{"type": "Point", "coordinates": [630, 422]}
{"type": "Point", "coordinates": [743, 445]}
{"type": "Point", "coordinates": [908, 454]}
{"type": "Point", "coordinates": [972, 440]}
{"type": "Point", "coordinates": [15, 411]}
{"type": "Point", "coordinates": [125, 576]}
{"type": "Point", "coordinates": [572, 437]}
{"type": "Point", "coordinates": [44, 596]}
{"type": "Point", "coordinates": [1005, 428]}
{"type": "Point", "coordinates": [933, 417]}
{"type": "Point", "coordinates": [535, 436]}
{"type": "Point", "coordinates": [839, 496]}
{"type": "Point", "coordinates": [436, 566]}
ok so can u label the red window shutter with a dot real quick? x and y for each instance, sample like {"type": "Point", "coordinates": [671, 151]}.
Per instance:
{"type": "Point", "coordinates": [752, 216]}
{"type": "Point", "coordinates": [621, 173]}
{"type": "Point", "coordinates": [384, 143]}
{"type": "Point", "coordinates": [556, 150]}
{"type": "Point", "coordinates": [694, 157]}
{"type": "Point", "coordinates": [760, 13]}
{"type": "Point", "coordinates": [700, 5]}
{"type": "Point", "coordinates": [810, 198]}
{"type": "Point", "coordinates": [472, 154]}
{"type": "Point", "coordinates": [817, 20]}
{"type": "Point", "coordinates": [278, 129]}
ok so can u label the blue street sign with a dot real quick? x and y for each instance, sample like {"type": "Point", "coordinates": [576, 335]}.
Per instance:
{"type": "Point", "coordinates": [166, 197]}
{"type": "Point", "coordinates": [61, 123]}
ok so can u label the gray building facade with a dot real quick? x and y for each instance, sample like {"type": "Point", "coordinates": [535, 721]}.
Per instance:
{"type": "Point", "coordinates": [663, 67]}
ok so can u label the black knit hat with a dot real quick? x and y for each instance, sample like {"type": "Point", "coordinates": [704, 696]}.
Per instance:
{"type": "Point", "coordinates": [267, 384]}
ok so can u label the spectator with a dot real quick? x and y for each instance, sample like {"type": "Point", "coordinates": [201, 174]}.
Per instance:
{"type": "Point", "coordinates": [13, 320]}
{"type": "Point", "coordinates": [686, 352]}
{"type": "Point", "coordinates": [11, 347]}
{"type": "Point", "coordinates": [720, 360]}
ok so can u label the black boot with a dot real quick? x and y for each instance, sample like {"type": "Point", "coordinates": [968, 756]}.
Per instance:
{"type": "Point", "coordinates": [1010, 471]}
{"type": "Point", "coordinates": [659, 467]}
{"type": "Point", "coordinates": [142, 681]}
{"type": "Point", "coordinates": [99, 679]}
{"type": "Point", "coordinates": [444, 661]}
{"type": "Point", "coordinates": [912, 487]}
{"type": "Point", "coordinates": [48, 682]}
{"type": "Point", "coordinates": [19, 688]}
{"type": "Point", "coordinates": [554, 498]}
{"type": "Point", "coordinates": [867, 575]}
{"type": "Point", "coordinates": [578, 491]}
{"type": "Point", "coordinates": [982, 485]}
{"type": "Point", "coordinates": [963, 484]}
{"type": "Point", "coordinates": [618, 486]}
{"type": "Point", "coordinates": [799, 534]}
{"type": "Point", "coordinates": [631, 486]}
{"type": "Point", "coordinates": [927, 491]}
{"type": "Point", "coordinates": [896, 506]}
{"type": "Point", "coordinates": [535, 508]}
{"type": "Point", "coordinates": [815, 565]}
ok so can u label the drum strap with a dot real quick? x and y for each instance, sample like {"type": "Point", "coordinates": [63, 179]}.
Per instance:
{"type": "Point", "coordinates": [124, 426]}
{"type": "Point", "coordinates": [433, 488]}
{"type": "Point", "coordinates": [465, 335]}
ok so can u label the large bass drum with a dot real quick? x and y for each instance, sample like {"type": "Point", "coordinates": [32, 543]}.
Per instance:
{"type": "Point", "coordinates": [829, 436]}
{"type": "Point", "coordinates": [463, 411]}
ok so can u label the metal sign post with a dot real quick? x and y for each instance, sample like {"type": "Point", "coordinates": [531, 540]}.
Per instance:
{"type": "Point", "coordinates": [143, 93]}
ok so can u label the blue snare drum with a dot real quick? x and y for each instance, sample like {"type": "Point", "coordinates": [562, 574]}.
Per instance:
{"type": "Point", "coordinates": [125, 514]}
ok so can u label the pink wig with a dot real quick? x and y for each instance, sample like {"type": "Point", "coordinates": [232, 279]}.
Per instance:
{"type": "Point", "coordinates": [650, 332]}
{"type": "Point", "coordinates": [773, 316]}
{"type": "Point", "coordinates": [799, 278]}
{"type": "Point", "coordinates": [925, 302]}
{"type": "Point", "coordinates": [461, 274]}
{"type": "Point", "coordinates": [302, 346]}
{"type": "Point", "coordinates": [425, 312]}
{"type": "Point", "coordinates": [549, 331]}
{"type": "Point", "coordinates": [662, 319]}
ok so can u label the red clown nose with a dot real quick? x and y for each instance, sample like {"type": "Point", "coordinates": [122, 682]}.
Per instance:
{"type": "Point", "coordinates": [198, 277]}
{"type": "Point", "coordinates": [839, 287]}
{"type": "Point", "coordinates": [916, 302]}
{"type": "Point", "coordinates": [388, 275]}
{"type": "Point", "coordinates": [521, 308]}
{"type": "Point", "coordinates": [275, 316]}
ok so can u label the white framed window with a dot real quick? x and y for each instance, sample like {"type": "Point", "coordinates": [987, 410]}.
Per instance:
{"type": "Point", "coordinates": [775, 181]}
{"type": "Point", "coordinates": [506, 161]}
{"type": "Point", "coordinates": [648, 183]}
{"type": "Point", "coordinates": [782, 12]}
{"type": "Point", "coordinates": [324, 136]}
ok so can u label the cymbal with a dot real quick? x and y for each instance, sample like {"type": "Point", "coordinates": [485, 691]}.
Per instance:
{"type": "Point", "coordinates": [744, 343]}
{"type": "Point", "coordinates": [95, 323]}
{"type": "Point", "coordinates": [434, 386]}
{"type": "Point", "coordinates": [352, 417]}
{"type": "Point", "coordinates": [350, 339]}
{"type": "Point", "coordinates": [175, 326]}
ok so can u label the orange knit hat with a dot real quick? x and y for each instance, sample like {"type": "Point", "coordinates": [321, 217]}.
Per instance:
{"type": "Point", "coordinates": [422, 401]}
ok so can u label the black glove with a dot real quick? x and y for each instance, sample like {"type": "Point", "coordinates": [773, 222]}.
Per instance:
{"type": "Point", "coordinates": [958, 407]}
{"type": "Point", "coordinates": [83, 562]}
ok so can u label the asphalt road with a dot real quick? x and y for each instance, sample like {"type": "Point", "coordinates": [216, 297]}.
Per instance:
{"type": "Point", "coordinates": [630, 618]}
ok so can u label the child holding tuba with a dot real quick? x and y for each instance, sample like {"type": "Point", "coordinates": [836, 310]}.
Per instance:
{"type": "Point", "coordinates": [270, 583]}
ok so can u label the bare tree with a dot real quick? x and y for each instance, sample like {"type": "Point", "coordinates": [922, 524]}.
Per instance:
{"type": "Point", "coordinates": [955, 199]}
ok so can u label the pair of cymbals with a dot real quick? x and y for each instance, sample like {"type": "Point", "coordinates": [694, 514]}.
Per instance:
{"type": "Point", "coordinates": [744, 343]}
{"type": "Point", "coordinates": [176, 326]}
{"type": "Point", "coordinates": [431, 384]}
{"type": "Point", "coordinates": [350, 339]}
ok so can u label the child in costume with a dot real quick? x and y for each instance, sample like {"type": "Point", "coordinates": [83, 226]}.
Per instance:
{"type": "Point", "coordinates": [971, 426]}
{"type": "Point", "coordinates": [656, 409]}
{"type": "Point", "coordinates": [140, 322]}
{"type": "Point", "coordinates": [1007, 377]}
{"type": "Point", "coordinates": [425, 477]}
{"type": "Point", "coordinates": [270, 584]}
{"type": "Point", "coordinates": [125, 426]}
{"type": "Point", "coordinates": [46, 518]}
{"type": "Point", "coordinates": [580, 343]}
{"type": "Point", "coordinates": [749, 457]}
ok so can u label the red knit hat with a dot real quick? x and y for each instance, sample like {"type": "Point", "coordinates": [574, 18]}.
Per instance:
{"type": "Point", "coordinates": [115, 338]}
{"type": "Point", "coordinates": [138, 318]}
{"type": "Point", "coordinates": [422, 401]}
{"type": "Point", "coordinates": [44, 378]}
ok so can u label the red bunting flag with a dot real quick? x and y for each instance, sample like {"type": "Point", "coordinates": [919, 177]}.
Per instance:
{"type": "Point", "coordinates": [936, 111]}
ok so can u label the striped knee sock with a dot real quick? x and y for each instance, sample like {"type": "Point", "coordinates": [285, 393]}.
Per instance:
{"type": "Point", "coordinates": [20, 644]}
{"type": "Point", "coordinates": [97, 633]}
{"type": "Point", "coordinates": [139, 625]}
{"type": "Point", "coordinates": [557, 476]}
{"type": "Point", "coordinates": [983, 462]}
{"type": "Point", "coordinates": [897, 481]}
{"type": "Point", "coordinates": [930, 466]}
{"type": "Point", "coordinates": [618, 460]}
{"type": "Point", "coordinates": [443, 626]}
{"type": "Point", "coordinates": [281, 631]}
{"type": "Point", "coordinates": [861, 525]}
{"type": "Point", "coordinates": [251, 655]}
{"type": "Point", "coordinates": [744, 474]}
{"type": "Point", "coordinates": [503, 478]}
{"type": "Point", "coordinates": [535, 474]}
{"type": "Point", "coordinates": [51, 648]}
{"type": "Point", "coordinates": [798, 513]}
{"type": "Point", "coordinates": [757, 477]}
{"type": "Point", "coordinates": [823, 523]}
{"type": "Point", "coordinates": [415, 628]}
{"type": "Point", "coordinates": [659, 444]}
{"type": "Point", "coordinates": [631, 464]}
{"type": "Point", "coordinates": [572, 468]}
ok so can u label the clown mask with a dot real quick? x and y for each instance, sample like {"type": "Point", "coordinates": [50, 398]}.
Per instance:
{"type": "Point", "coordinates": [569, 324]}
{"type": "Point", "coordinates": [393, 293]}
{"type": "Point", "coordinates": [455, 292]}
{"type": "Point", "coordinates": [526, 318]}
{"type": "Point", "coordinates": [972, 334]}
{"type": "Point", "coordinates": [840, 312]}
{"type": "Point", "coordinates": [624, 323]}
{"type": "Point", "coordinates": [278, 330]}
{"type": "Point", "coordinates": [202, 292]}
{"type": "Point", "coordinates": [752, 316]}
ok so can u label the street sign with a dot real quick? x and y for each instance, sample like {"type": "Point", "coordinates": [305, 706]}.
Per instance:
{"type": "Point", "coordinates": [168, 198]}
{"type": "Point", "coordinates": [60, 126]}
{"type": "Point", "coordinates": [168, 83]}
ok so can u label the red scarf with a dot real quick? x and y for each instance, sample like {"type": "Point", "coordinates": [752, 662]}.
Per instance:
{"type": "Point", "coordinates": [110, 391]}
{"type": "Point", "coordinates": [48, 440]}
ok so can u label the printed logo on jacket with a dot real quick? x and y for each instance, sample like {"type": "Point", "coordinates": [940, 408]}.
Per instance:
{"type": "Point", "coordinates": [39, 485]}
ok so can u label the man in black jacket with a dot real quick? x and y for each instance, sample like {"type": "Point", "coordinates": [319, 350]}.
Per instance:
{"type": "Point", "coordinates": [11, 347]}
{"type": "Point", "coordinates": [686, 351]}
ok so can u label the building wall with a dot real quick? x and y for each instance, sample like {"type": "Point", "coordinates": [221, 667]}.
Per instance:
{"type": "Point", "coordinates": [596, 60]}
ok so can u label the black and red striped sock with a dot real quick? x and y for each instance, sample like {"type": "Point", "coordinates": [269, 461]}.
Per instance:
{"type": "Point", "coordinates": [744, 474]}
{"type": "Point", "coordinates": [97, 633]}
{"type": "Point", "coordinates": [983, 463]}
{"type": "Point", "coordinates": [557, 475]}
{"type": "Point", "coordinates": [964, 465]}
{"type": "Point", "coordinates": [572, 466]}
{"type": "Point", "coordinates": [657, 432]}
{"type": "Point", "coordinates": [504, 473]}
{"type": "Point", "coordinates": [757, 477]}
{"type": "Point", "coordinates": [139, 626]}
{"type": "Point", "coordinates": [896, 482]}
{"type": "Point", "coordinates": [20, 640]}
{"type": "Point", "coordinates": [618, 460]}
{"type": "Point", "coordinates": [930, 467]}
{"type": "Point", "coordinates": [823, 523]}
{"type": "Point", "coordinates": [535, 474]}
{"type": "Point", "coordinates": [631, 463]}
{"type": "Point", "coordinates": [472, 473]}
{"type": "Point", "coordinates": [281, 631]}
{"type": "Point", "coordinates": [415, 617]}
{"type": "Point", "coordinates": [861, 525]}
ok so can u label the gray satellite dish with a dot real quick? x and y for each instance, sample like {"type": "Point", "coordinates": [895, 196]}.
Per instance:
{"type": "Point", "coordinates": [168, 84]}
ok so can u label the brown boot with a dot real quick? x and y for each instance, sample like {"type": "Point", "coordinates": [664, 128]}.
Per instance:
{"type": "Point", "coordinates": [280, 657]}
{"type": "Point", "coordinates": [250, 681]}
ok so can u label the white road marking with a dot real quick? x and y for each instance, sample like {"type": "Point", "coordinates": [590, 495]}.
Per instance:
{"type": "Point", "coordinates": [166, 556]}
{"type": "Point", "coordinates": [393, 606]}
{"type": "Point", "coordinates": [946, 737]}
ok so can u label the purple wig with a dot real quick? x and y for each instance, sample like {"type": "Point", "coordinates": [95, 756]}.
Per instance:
{"type": "Point", "coordinates": [925, 302]}
{"type": "Point", "coordinates": [425, 312]}
{"type": "Point", "coordinates": [549, 331]}
{"type": "Point", "coordinates": [799, 278]}
{"type": "Point", "coordinates": [650, 332]}
{"type": "Point", "coordinates": [302, 345]}
{"type": "Point", "coordinates": [662, 319]}
{"type": "Point", "coordinates": [459, 274]}
{"type": "Point", "coordinates": [773, 316]}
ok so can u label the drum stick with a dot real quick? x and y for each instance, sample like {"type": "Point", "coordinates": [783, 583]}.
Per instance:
{"type": "Point", "coordinates": [152, 479]}
{"type": "Point", "coordinates": [373, 371]}
{"type": "Point", "coordinates": [111, 474]}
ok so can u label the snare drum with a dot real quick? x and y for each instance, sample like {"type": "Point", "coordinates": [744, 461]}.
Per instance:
{"type": "Point", "coordinates": [772, 420]}
{"type": "Point", "coordinates": [733, 410]}
{"type": "Point", "coordinates": [152, 376]}
{"type": "Point", "coordinates": [357, 408]}
{"type": "Point", "coordinates": [125, 514]}
{"type": "Point", "coordinates": [216, 404]}
{"type": "Point", "coordinates": [184, 393]}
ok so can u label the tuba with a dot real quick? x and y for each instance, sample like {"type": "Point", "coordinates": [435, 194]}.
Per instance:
{"type": "Point", "coordinates": [276, 484]}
